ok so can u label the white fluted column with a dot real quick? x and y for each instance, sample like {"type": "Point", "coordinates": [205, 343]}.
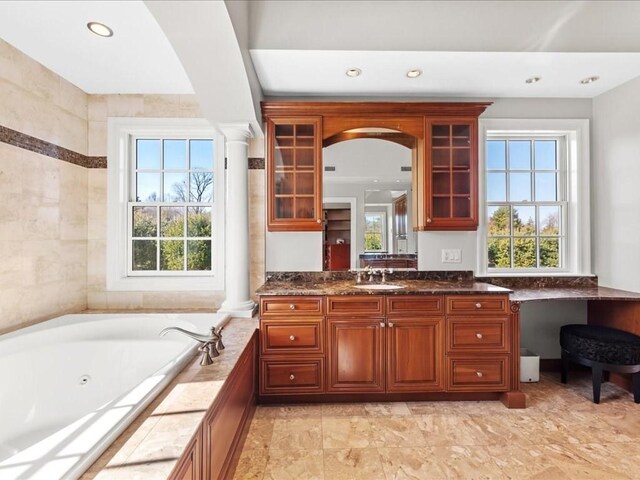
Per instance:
{"type": "Point", "coordinates": [237, 296]}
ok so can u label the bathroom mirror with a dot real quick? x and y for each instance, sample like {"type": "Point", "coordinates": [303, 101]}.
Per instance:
{"type": "Point", "coordinates": [367, 202]}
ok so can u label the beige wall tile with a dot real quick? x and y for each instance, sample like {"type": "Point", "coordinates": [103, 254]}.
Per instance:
{"type": "Point", "coordinates": [125, 105]}
{"type": "Point", "coordinates": [97, 146]}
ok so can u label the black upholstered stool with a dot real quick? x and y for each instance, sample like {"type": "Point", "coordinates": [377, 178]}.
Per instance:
{"type": "Point", "coordinates": [602, 349]}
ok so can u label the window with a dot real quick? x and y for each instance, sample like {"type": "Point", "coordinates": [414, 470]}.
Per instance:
{"type": "Point", "coordinates": [526, 203]}
{"type": "Point", "coordinates": [374, 233]}
{"type": "Point", "coordinates": [535, 187]}
{"type": "Point", "coordinates": [166, 205]}
{"type": "Point", "coordinates": [170, 209]}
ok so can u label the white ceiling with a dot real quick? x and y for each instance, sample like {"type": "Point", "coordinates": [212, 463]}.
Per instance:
{"type": "Point", "coordinates": [466, 49]}
{"type": "Point", "coordinates": [137, 59]}
{"type": "Point", "coordinates": [445, 74]}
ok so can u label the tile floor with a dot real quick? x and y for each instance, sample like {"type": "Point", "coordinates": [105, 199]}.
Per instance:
{"type": "Point", "coordinates": [561, 435]}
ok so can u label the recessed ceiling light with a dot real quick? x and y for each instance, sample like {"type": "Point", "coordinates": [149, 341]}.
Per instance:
{"type": "Point", "coordinates": [588, 80]}
{"type": "Point", "coordinates": [375, 180]}
{"type": "Point", "coordinates": [415, 73]}
{"type": "Point", "coordinates": [100, 29]}
{"type": "Point", "coordinates": [533, 80]}
{"type": "Point", "coordinates": [354, 72]}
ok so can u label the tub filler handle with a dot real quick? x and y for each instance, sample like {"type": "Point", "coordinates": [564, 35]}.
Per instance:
{"type": "Point", "coordinates": [210, 344]}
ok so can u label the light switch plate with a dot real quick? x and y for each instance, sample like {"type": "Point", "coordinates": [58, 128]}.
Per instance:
{"type": "Point", "coordinates": [453, 255]}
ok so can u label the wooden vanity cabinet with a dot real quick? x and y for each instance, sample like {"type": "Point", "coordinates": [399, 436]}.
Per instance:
{"type": "Point", "coordinates": [451, 174]}
{"type": "Point", "coordinates": [292, 345]}
{"type": "Point", "coordinates": [390, 347]}
{"type": "Point", "coordinates": [479, 343]}
{"type": "Point", "coordinates": [294, 176]}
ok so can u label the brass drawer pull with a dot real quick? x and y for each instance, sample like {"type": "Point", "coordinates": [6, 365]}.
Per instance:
{"type": "Point", "coordinates": [478, 305]}
{"type": "Point", "coordinates": [478, 335]}
{"type": "Point", "coordinates": [478, 373]}
{"type": "Point", "coordinates": [292, 377]}
{"type": "Point", "coordinates": [292, 307]}
{"type": "Point", "coordinates": [292, 338]}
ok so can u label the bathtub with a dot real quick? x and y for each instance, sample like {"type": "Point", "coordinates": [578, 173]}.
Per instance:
{"type": "Point", "coordinates": [71, 385]}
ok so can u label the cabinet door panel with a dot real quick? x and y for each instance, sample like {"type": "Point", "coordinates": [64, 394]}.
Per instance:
{"type": "Point", "coordinates": [294, 173]}
{"type": "Point", "coordinates": [356, 355]}
{"type": "Point", "coordinates": [414, 349]}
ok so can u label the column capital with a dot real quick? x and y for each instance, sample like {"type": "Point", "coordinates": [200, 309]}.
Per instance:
{"type": "Point", "coordinates": [236, 132]}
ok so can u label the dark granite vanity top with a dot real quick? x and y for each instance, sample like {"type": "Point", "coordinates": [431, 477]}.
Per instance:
{"type": "Point", "coordinates": [521, 289]}
{"type": "Point", "coordinates": [344, 283]}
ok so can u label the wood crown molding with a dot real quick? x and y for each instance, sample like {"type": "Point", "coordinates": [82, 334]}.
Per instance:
{"type": "Point", "coordinates": [379, 109]}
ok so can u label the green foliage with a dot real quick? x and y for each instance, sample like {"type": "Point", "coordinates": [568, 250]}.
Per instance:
{"type": "Point", "coordinates": [372, 241]}
{"type": "Point", "coordinates": [524, 246]}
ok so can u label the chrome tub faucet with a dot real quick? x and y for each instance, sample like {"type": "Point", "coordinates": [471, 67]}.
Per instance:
{"type": "Point", "coordinates": [210, 345]}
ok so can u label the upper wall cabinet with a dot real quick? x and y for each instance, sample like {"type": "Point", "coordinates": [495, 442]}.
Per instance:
{"type": "Point", "coordinates": [294, 176]}
{"type": "Point", "coordinates": [451, 174]}
{"type": "Point", "coordinates": [444, 141]}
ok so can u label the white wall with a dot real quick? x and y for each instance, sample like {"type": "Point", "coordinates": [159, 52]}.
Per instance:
{"type": "Point", "coordinates": [616, 187]}
{"type": "Point", "coordinates": [540, 324]}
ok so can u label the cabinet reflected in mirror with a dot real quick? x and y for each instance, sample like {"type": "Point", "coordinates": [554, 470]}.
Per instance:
{"type": "Point", "coordinates": [367, 204]}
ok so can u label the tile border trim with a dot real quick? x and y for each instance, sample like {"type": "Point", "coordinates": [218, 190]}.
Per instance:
{"type": "Point", "coordinates": [36, 145]}
{"type": "Point", "coordinates": [42, 147]}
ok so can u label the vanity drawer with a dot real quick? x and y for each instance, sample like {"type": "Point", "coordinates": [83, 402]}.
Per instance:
{"type": "Point", "coordinates": [478, 304]}
{"type": "Point", "coordinates": [311, 306]}
{"type": "Point", "coordinates": [486, 374]}
{"type": "Point", "coordinates": [415, 304]}
{"type": "Point", "coordinates": [287, 336]}
{"type": "Point", "coordinates": [490, 335]}
{"type": "Point", "coordinates": [355, 305]}
{"type": "Point", "coordinates": [291, 376]}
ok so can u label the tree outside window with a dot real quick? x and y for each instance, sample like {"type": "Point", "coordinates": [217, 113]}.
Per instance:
{"type": "Point", "coordinates": [374, 234]}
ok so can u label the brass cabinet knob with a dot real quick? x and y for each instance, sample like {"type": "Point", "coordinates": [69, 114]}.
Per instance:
{"type": "Point", "coordinates": [478, 305]}
{"type": "Point", "coordinates": [428, 220]}
{"type": "Point", "coordinates": [391, 324]}
{"type": "Point", "coordinates": [478, 373]}
{"type": "Point", "coordinates": [319, 221]}
{"type": "Point", "coordinates": [478, 335]}
{"type": "Point", "coordinates": [292, 377]}
{"type": "Point", "coordinates": [292, 338]}
{"type": "Point", "coordinates": [381, 324]}
{"type": "Point", "coordinates": [292, 307]}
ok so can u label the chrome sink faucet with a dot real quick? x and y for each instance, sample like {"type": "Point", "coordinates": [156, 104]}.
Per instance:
{"type": "Point", "coordinates": [210, 345]}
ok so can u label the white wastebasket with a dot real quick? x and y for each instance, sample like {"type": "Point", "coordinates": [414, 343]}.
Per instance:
{"type": "Point", "coordinates": [529, 366]}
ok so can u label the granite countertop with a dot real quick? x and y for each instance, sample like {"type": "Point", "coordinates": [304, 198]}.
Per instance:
{"type": "Point", "coordinates": [151, 446]}
{"type": "Point", "coordinates": [522, 295]}
{"type": "Point", "coordinates": [305, 284]}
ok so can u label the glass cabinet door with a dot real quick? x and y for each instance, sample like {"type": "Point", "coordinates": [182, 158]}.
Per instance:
{"type": "Point", "coordinates": [293, 163]}
{"type": "Point", "coordinates": [451, 174]}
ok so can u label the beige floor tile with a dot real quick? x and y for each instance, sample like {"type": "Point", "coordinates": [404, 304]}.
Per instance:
{"type": "Point", "coordinates": [251, 465]}
{"type": "Point", "coordinates": [260, 433]}
{"type": "Point", "coordinates": [466, 462]}
{"type": "Point", "coordinates": [295, 465]}
{"type": "Point", "coordinates": [353, 464]}
{"type": "Point", "coordinates": [447, 430]}
{"type": "Point", "coordinates": [386, 409]}
{"type": "Point", "coordinates": [396, 431]}
{"type": "Point", "coordinates": [297, 434]}
{"type": "Point", "coordinates": [410, 463]}
{"type": "Point", "coordinates": [343, 410]}
{"type": "Point", "coordinates": [346, 432]}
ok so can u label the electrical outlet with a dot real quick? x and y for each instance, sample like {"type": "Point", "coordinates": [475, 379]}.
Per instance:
{"type": "Point", "coordinates": [451, 255]}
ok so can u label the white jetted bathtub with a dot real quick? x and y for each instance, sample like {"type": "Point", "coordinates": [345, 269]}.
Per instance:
{"type": "Point", "coordinates": [71, 385]}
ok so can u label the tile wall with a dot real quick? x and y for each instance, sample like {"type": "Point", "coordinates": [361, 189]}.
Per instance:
{"type": "Point", "coordinates": [54, 214]}
{"type": "Point", "coordinates": [43, 214]}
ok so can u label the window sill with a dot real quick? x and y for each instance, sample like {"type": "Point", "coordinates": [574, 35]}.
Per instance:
{"type": "Point", "coordinates": [165, 284]}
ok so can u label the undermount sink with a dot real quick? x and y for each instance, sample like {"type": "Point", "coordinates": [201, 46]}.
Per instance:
{"type": "Point", "coordinates": [380, 286]}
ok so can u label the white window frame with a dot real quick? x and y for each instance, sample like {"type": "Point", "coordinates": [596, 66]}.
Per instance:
{"type": "Point", "coordinates": [383, 215]}
{"type": "Point", "coordinates": [575, 153]}
{"type": "Point", "coordinates": [121, 135]}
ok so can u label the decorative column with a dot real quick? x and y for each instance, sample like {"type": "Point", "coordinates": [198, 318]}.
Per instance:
{"type": "Point", "coordinates": [238, 301]}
